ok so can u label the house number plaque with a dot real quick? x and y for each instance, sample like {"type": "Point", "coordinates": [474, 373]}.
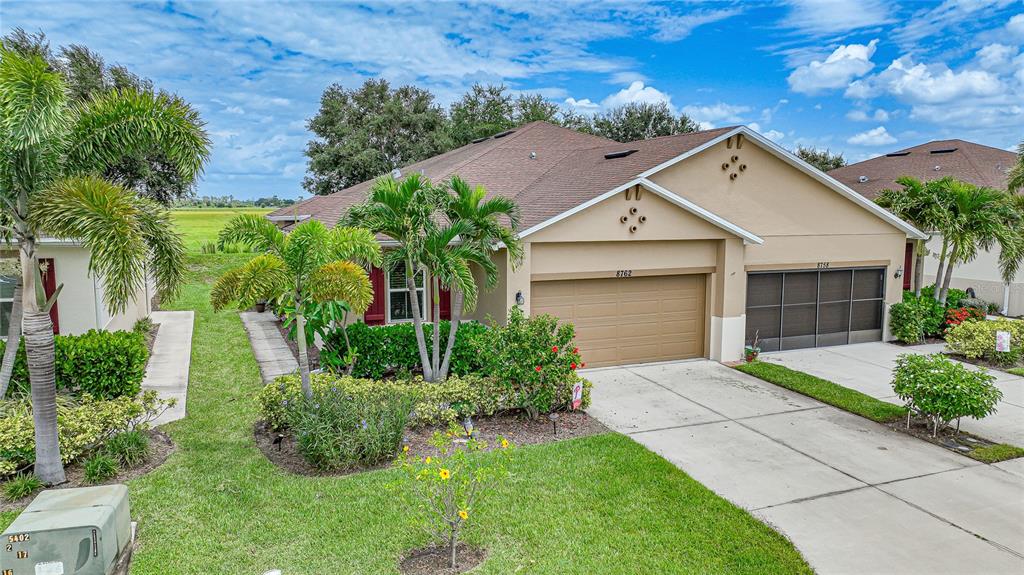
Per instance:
{"type": "Point", "coordinates": [623, 273]}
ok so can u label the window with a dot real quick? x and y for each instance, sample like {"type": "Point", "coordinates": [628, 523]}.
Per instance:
{"type": "Point", "coordinates": [399, 306]}
{"type": "Point", "coordinates": [7, 284]}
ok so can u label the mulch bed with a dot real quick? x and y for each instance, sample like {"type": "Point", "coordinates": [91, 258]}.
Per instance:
{"type": "Point", "coordinates": [927, 341]}
{"type": "Point", "coordinates": [160, 445]}
{"type": "Point", "coordinates": [962, 443]}
{"type": "Point", "coordinates": [312, 351]}
{"type": "Point", "coordinates": [281, 449]}
{"type": "Point", "coordinates": [434, 560]}
{"type": "Point", "coordinates": [981, 362]}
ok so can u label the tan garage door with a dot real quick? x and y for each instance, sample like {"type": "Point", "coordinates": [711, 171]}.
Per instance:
{"type": "Point", "coordinates": [629, 320]}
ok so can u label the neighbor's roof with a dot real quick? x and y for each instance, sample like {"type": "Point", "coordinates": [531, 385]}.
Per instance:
{"type": "Point", "coordinates": [974, 163]}
{"type": "Point", "coordinates": [545, 168]}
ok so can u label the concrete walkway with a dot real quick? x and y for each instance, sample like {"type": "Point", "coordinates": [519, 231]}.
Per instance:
{"type": "Point", "coordinates": [853, 496]}
{"type": "Point", "coordinates": [269, 347]}
{"type": "Point", "coordinates": [867, 367]}
{"type": "Point", "coordinates": [168, 368]}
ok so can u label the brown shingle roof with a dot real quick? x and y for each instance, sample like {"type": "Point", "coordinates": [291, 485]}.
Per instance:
{"type": "Point", "coordinates": [569, 169]}
{"type": "Point", "coordinates": [969, 162]}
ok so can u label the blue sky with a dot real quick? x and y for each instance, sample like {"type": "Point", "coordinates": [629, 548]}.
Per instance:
{"type": "Point", "coordinates": [859, 77]}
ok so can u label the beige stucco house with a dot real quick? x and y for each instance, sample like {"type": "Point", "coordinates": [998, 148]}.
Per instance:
{"type": "Point", "coordinates": [80, 306]}
{"type": "Point", "coordinates": [966, 161]}
{"type": "Point", "coordinates": [676, 247]}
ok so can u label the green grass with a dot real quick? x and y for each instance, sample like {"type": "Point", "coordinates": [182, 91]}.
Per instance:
{"type": "Point", "coordinates": [825, 391]}
{"type": "Point", "coordinates": [996, 453]}
{"type": "Point", "coordinates": [201, 225]}
{"type": "Point", "coordinates": [602, 504]}
{"type": "Point", "coordinates": [1017, 371]}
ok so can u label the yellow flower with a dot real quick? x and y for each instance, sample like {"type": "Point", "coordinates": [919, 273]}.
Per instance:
{"type": "Point", "coordinates": [464, 514]}
{"type": "Point", "coordinates": [445, 474]}
{"type": "Point", "coordinates": [504, 443]}
{"type": "Point", "coordinates": [427, 460]}
{"type": "Point", "coordinates": [405, 449]}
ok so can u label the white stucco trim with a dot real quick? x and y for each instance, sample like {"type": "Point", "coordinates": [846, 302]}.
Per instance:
{"type": "Point", "coordinates": [664, 193]}
{"type": "Point", "coordinates": [727, 338]}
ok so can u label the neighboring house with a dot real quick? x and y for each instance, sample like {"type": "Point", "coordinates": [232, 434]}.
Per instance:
{"type": "Point", "coordinates": [80, 306]}
{"type": "Point", "coordinates": [974, 163]}
{"type": "Point", "coordinates": [675, 247]}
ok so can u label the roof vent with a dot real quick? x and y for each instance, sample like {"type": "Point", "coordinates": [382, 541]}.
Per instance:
{"type": "Point", "coordinates": [862, 179]}
{"type": "Point", "coordinates": [937, 168]}
{"type": "Point", "coordinates": [396, 173]}
{"type": "Point", "coordinates": [478, 140]}
{"type": "Point", "coordinates": [502, 134]}
{"type": "Point", "coordinates": [620, 154]}
{"type": "Point", "coordinates": [943, 151]}
{"type": "Point", "coordinates": [533, 155]}
{"type": "Point", "coordinates": [897, 154]}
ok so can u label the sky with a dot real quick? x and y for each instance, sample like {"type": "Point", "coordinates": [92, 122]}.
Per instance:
{"type": "Point", "coordinates": [860, 77]}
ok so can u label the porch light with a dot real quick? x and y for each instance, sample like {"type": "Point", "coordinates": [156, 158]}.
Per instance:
{"type": "Point", "coordinates": [520, 300]}
{"type": "Point", "coordinates": [899, 273]}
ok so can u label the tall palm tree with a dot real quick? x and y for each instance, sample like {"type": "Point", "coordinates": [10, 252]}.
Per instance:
{"type": "Point", "coordinates": [1011, 239]}
{"type": "Point", "coordinates": [489, 229]}
{"type": "Point", "coordinates": [976, 221]}
{"type": "Point", "coordinates": [1016, 176]}
{"type": "Point", "coordinates": [51, 151]}
{"type": "Point", "coordinates": [405, 212]}
{"type": "Point", "coordinates": [311, 263]}
{"type": "Point", "coordinates": [920, 204]}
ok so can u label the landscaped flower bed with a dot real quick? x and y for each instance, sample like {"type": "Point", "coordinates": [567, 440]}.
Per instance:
{"type": "Point", "coordinates": [975, 341]}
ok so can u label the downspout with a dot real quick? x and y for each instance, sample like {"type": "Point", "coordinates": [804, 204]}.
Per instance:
{"type": "Point", "coordinates": [1006, 299]}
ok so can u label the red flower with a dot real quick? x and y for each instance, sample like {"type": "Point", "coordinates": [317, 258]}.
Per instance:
{"type": "Point", "coordinates": [584, 364]}
{"type": "Point", "coordinates": [537, 368]}
{"type": "Point", "coordinates": [576, 350]}
{"type": "Point", "coordinates": [572, 365]}
{"type": "Point", "coordinates": [554, 348]}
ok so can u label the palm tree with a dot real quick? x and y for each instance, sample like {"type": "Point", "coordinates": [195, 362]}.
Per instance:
{"type": "Point", "coordinates": [50, 153]}
{"type": "Point", "coordinates": [312, 263]}
{"type": "Point", "coordinates": [466, 204]}
{"type": "Point", "coordinates": [920, 204]}
{"type": "Point", "coordinates": [1016, 176]}
{"type": "Point", "coordinates": [976, 221]}
{"type": "Point", "coordinates": [1011, 239]}
{"type": "Point", "coordinates": [404, 211]}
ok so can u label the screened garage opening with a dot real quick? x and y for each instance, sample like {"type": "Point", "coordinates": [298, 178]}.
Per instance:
{"type": "Point", "coordinates": [799, 309]}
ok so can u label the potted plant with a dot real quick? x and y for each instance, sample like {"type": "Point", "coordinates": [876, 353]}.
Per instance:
{"type": "Point", "coordinates": [261, 306]}
{"type": "Point", "coordinates": [751, 351]}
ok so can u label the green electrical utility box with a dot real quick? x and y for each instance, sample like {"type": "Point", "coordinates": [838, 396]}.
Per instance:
{"type": "Point", "coordinates": [82, 531]}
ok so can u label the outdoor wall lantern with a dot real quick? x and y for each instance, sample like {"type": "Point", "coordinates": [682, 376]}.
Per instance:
{"type": "Point", "coordinates": [520, 300]}
{"type": "Point", "coordinates": [899, 273]}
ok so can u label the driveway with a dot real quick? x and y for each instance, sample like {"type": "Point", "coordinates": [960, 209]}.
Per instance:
{"type": "Point", "coordinates": [867, 367]}
{"type": "Point", "coordinates": [852, 495]}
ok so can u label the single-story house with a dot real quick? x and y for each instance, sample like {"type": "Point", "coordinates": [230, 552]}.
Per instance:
{"type": "Point", "coordinates": [80, 306]}
{"type": "Point", "coordinates": [675, 247]}
{"type": "Point", "coordinates": [966, 161]}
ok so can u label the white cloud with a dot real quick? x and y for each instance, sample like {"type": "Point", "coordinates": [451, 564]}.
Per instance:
{"type": "Point", "coordinates": [822, 17]}
{"type": "Point", "coordinates": [637, 92]}
{"type": "Point", "coordinates": [768, 113]}
{"type": "Point", "coordinates": [951, 14]}
{"type": "Point", "coordinates": [626, 77]}
{"type": "Point", "coordinates": [584, 105]}
{"type": "Point", "coordinates": [996, 57]}
{"type": "Point", "coordinates": [710, 116]}
{"type": "Point", "coordinates": [874, 137]}
{"type": "Point", "coordinates": [234, 110]}
{"type": "Point", "coordinates": [1016, 26]}
{"type": "Point", "coordinates": [859, 115]}
{"type": "Point", "coordinates": [920, 83]}
{"type": "Point", "coordinates": [673, 28]}
{"type": "Point", "coordinates": [773, 135]}
{"type": "Point", "coordinates": [845, 63]}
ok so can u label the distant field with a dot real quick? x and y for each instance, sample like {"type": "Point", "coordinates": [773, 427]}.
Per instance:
{"type": "Point", "coordinates": [201, 225]}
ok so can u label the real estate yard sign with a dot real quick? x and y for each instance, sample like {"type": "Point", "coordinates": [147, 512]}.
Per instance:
{"type": "Point", "coordinates": [1003, 341]}
{"type": "Point", "coordinates": [577, 395]}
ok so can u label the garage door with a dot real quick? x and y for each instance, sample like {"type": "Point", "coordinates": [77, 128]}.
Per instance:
{"type": "Point", "coordinates": [629, 320]}
{"type": "Point", "coordinates": [792, 310]}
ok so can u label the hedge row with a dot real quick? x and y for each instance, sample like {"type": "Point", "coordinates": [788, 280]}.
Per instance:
{"type": "Point", "coordinates": [391, 349]}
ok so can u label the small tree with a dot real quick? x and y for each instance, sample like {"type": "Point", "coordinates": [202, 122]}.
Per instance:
{"type": "Point", "coordinates": [824, 160]}
{"type": "Point", "coordinates": [444, 491]}
{"type": "Point", "coordinates": [312, 263]}
{"type": "Point", "coordinates": [942, 390]}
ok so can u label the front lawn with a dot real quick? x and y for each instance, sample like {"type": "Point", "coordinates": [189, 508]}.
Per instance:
{"type": "Point", "coordinates": [600, 504]}
{"type": "Point", "coordinates": [201, 225]}
{"type": "Point", "coordinates": [825, 391]}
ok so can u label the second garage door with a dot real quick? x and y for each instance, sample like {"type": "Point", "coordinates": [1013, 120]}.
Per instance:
{"type": "Point", "coordinates": [629, 320]}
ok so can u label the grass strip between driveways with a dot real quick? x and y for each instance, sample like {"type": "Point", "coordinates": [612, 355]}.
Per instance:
{"type": "Point", "coordinates": [1017, 371]}
{"type": "Point", "coordinates": [996, 453]}
{"type": "Point", "coordinates": [825, 391]}
{"type": "Point", "coordinates": [601, 504]}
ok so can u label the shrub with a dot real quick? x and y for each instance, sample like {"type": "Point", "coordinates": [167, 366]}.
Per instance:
{"type": "Point", "coordinates": [208, 247]}
{"type": "Point", "coordinates": [21, 485]}
{"type": "Point", "coordinates": [907, 322]}
{"type": "Point", "coordinates": [444, 491]}
{"type": "Point", "coordinates": [390, 349]}
{"type": "Point", "coordinates": [99, 468]}
{"type": "Point", "coordinates": [973, 302]}
{"type": "Point", "coordinates": [943, 390]}
{"type": "Point", "coordinates": [958, 315]}
{"type": "Point", "coordinates": [438, 403]}
{"type": "Point", "coordinates": [337, 431]}
{"type": "Point", "coordinates": [129, 448]}
{"type": "Point", "coordinates": [82, 426]}
{"type": "Point", "coordinates": [953, 296]}
{"type": "Point", "coordinates": [977, 339]}
{"type": "Point", "coordinates": [103, 364]}
{"type": "Point", "coordinates": [143, 326]}
{"type": "Point", "coordinates": [532, 357]}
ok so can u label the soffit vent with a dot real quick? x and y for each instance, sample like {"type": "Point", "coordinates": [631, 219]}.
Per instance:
{"type": "Point", "coordinates": [897, 154]}
{"type": "Point", "coordinates": [502, 134]}
{"type": "Point", "coordinates": [620, 154]}
{"type": "Point", "coordinates": [943, 151]}
{"type": "Point", "coordinates": [478, 140]}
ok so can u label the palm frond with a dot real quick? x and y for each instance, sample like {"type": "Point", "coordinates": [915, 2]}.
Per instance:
{"type": "Point", "coordinates": [107, 219]}
{"type": "Point", "coordinates": [1016, 175]}
{"type": "Point", "coordinates": [359, 245]}
{"type": "Point", "coordinates": [224, 292]}
{"type": "Point", "coordinates": [124, 123]}
{"type": "Point", "coordinates": [342, 281]}
{"type": "Point", "coordinates": [32, 100]}
{"type": "Point", "coordinates": [264, 277]}
{"type": "Point", "coordinates": [306, 248]}
{"type": "Point", "coordinates": [254, 231]}
{"type": "Point", "coordinates": [167, 250]}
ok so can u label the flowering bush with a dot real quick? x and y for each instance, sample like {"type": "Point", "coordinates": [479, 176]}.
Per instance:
{"type": "Point", "coordinates": [958, 315]}
{"type": "Point", "coordinates": [444, 491]}
{"type": "Point", "coordinates": [943, 390]}
{"type": "Point", "coordinates": [977, 339]}
{"type": "Point", "coordinates": [82, 426]}
{"type": "Point", "coordinates": [534, 358]}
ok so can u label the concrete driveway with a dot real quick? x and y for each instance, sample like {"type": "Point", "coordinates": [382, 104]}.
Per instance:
{"type": "Point", "coordinates": [867, 367]}
{"type": "Point", "coordinates": [853, 496]}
